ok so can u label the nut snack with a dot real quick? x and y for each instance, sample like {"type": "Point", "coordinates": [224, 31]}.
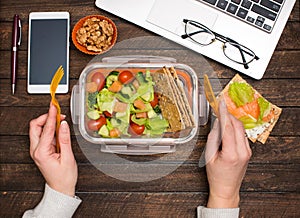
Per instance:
{"type": "Point", "coordinates": [94, 34]}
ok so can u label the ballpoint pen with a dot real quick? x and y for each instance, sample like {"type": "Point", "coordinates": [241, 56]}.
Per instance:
{"type": "Point", "coordinates": [16, 42]}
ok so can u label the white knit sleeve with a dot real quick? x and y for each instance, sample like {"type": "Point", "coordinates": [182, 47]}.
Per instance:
{"type": "Point", "coordinates": [54, 204]}
{"type": "Point", "coordinates": [204, 212]}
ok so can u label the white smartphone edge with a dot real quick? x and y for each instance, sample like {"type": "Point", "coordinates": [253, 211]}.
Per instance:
{"type": "Point", "coordinates": [45, 89]}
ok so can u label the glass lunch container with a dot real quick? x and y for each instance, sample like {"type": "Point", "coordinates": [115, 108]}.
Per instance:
{"type": "Point", "coordinates": [141, 145]}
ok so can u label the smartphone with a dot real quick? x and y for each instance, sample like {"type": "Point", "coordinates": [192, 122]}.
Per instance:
{"type": "Point", "coordinates": [48, 48]}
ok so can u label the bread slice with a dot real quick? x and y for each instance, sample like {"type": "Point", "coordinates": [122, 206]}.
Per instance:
{"type": "Point", "coordinates": [261, 132]}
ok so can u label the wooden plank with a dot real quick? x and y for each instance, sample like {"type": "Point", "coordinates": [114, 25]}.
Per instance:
{"type": "Point", "coordinates": [75, 8]}
{"type": "Point", "coordinates": [16, 150]}
{"type": "Point", "coordinates": [259, 177]}
{"type": "Point", "coordinates": [125, 31]}
{"type": "Point", "coordinates": [282, 92]}
{"type": "Point", "coordinates": [283, 65]}
{"type": "Point", "coordinates": [23, 99]}
{"type": "Point", "coordinates": [270, 204]}
{"type": "Point", "coordinates": [25, 114]}
{"type": "Point", "coordinates": [78, 60]}
{"type": "Point", "coordinates": [155, 204]}
{"type": "Point", "coordinates": [288, 40]}
{"type": "Point", "coordinates": [286, 125]}
{"type": "Point", "coordinates": [295, 15]}
{"type": "Point", "coordinates": [277, 150]}
{"type": "Point", "coordinates": [272, 182]}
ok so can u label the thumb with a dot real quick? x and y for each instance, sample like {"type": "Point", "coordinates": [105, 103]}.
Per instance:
{"type": "Point", "coordinates": [65, 142]}
{"type": "Point", "coordinates": [213, 142]}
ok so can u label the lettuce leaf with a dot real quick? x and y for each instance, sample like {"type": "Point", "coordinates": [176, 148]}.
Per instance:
{"type": "Point", "coordinates": [241, 93]}
{"type": "Point", "coordinates": [249, 122]}
{"type": "Point", "coordinates": [156, 125]}
{"type": "Point", "coordinates": [120, 124]}
{"type": "Point", "coordinates": [92, 101]}
{"type": "Point", "coordinates": [105, 95]}
{"type": "Point", "coordinates": [264, 107]}
{"type": "Point", "coordinates": [146, 91]}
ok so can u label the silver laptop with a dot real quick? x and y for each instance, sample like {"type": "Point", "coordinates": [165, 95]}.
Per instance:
{"type": "Point", "coordinates": [241, 34]}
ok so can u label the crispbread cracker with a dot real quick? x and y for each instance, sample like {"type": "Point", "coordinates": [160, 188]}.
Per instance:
{"type": "Point", "coordinates": [264, 136]}
{"type": "Point", "coordinates": [170, 112]}
{"type": "Point", "coordinates": [167, 102]}
{"type": "Point", "coordinates": [277, 111]}
{"type": "Point", "coordinates": [185, 101]}
{"type": "Point", "coordinates": [179, 102]}
{"type": "Point", "coordinates": [172, 100]}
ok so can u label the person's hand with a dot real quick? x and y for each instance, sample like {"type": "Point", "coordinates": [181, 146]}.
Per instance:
{"type": "Point", "coordinates": [227, 155]}
{"type": "Point", "coordinates": [58, 169]}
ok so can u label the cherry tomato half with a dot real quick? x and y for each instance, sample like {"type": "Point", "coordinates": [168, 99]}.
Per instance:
{"type": "Point", "coordinates": [154, 102]}
{"type": "Point", "coordinates": [107, 114]}
{"type": "Point", "coordinates": [135, 129]}
{"type": "Point", "coordinates": [126, 77]}
{"type": "Point", "coordinates": [95, 125]}
{"type": "Point", "coordinates": [99, 79]}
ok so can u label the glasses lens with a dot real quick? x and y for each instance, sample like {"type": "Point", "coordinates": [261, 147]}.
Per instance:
{"type": "Point", "coordinates": [238, 53]}
{"type": "Point", "coordinates": [199, 33]}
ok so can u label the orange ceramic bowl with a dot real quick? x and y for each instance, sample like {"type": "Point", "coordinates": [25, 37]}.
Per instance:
{"type": "Point", "coordinates": [83, 48]}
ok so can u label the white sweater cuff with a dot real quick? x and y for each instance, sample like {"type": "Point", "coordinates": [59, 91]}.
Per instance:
{"type": "Point", "coordinates": [204, 212]}
{"type": "Point", "coordinates": [54, 204]}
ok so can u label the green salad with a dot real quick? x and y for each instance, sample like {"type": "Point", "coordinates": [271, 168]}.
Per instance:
{"type": "Point", "coordinates": [123, 104]}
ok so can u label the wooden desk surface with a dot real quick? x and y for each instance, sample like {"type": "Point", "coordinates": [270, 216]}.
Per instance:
{"type": "Point", "coordinates": [272, 183]}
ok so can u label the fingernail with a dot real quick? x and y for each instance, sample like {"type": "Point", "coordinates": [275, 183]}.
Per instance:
{"type": "Point", "coordinates": [64, 126]}
{"type": "Point", "coordinates": [64, 116]}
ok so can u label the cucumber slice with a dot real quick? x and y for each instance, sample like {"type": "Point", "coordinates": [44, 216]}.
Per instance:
{"type": "Point", "coordinates": [112, 77]}
{"type": "Point", "coordinates": [103, 131]}
{"type": "Point", "coordinates": [126, 90]}
{"type": "Point", "coordinates": [94, 114]}
{"type": "Point", "coordinates": [146, 96]}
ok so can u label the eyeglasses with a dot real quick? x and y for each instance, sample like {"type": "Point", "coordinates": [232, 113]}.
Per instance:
{"type": "Point", "coordinates": [232, 50]}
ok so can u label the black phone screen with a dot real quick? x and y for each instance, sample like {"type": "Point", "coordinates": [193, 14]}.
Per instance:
{"type": "Point", "coordinates": [48, 50]}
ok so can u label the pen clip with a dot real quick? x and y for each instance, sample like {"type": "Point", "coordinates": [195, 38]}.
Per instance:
{"type": "Point", "coordinates": [20, 32]}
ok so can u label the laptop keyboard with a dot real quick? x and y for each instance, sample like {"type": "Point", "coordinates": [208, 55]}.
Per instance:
{"type": "Point", "coordinates": [259, 13]}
